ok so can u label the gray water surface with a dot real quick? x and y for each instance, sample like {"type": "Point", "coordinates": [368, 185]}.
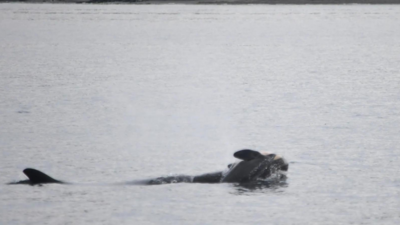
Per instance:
{"type": "Point", "coordinates": [100, 95]}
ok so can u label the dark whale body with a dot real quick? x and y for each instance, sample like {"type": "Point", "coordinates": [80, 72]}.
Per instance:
{"type": "Point", "coordinates": [253, 166]}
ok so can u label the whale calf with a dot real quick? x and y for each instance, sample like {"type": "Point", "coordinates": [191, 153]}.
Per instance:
{"type": "Point", "coordinates": [253, 166]}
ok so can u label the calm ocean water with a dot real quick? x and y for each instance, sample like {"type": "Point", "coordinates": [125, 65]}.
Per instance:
{"type": "Point", "coordinates": [104, 94]}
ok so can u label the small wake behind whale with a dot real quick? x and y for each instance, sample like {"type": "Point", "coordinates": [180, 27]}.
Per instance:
{"type": "Point", "coordinates": [253, 168]}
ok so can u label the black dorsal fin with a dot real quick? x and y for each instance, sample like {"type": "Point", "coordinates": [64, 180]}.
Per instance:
{"type": "Point", "coordinates": [38, 177]}
{"type": "Point", "coordinates": [247, 154]}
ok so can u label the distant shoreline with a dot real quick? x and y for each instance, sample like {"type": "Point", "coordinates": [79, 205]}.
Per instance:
{"type": "Point", "coordinates": [232, 2]}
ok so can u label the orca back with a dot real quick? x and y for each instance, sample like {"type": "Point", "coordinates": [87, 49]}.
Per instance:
{"type": "Point", "coordinates": [38, 177]}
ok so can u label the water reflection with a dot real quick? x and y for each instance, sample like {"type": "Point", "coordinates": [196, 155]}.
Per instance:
{"type": "Point", "coordinates": [261, 186]}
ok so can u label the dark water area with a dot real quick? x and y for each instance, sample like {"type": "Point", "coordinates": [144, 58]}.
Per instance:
{"type": "Point", "coordinates": [105, 96]}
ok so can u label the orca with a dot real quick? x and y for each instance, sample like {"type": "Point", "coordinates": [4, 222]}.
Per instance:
{"type": "Point", "coordinates": [252, 167]}
{"type": "Point", "coordinates": [37, 177]}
